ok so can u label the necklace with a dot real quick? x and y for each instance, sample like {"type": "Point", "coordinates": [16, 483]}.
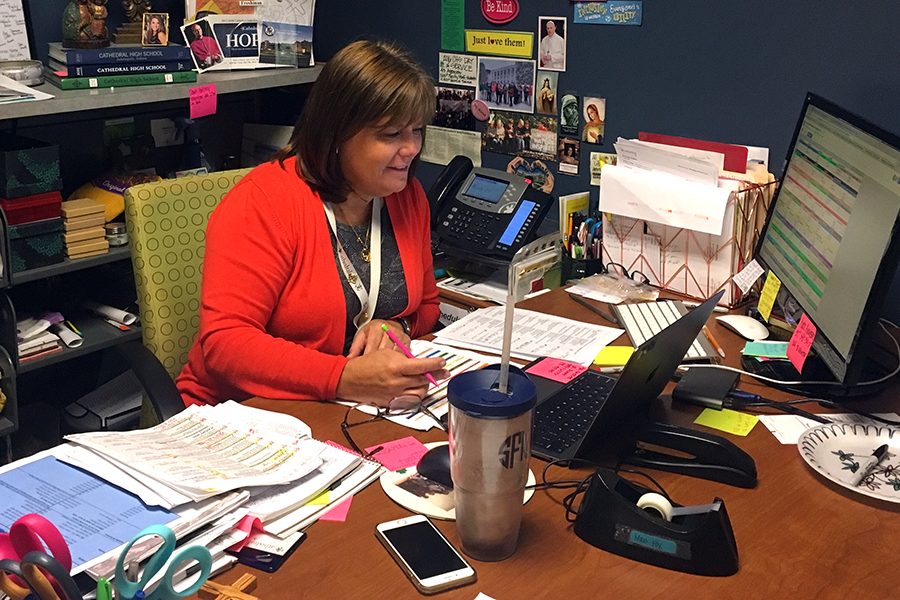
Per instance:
{"type": "Point", "coordinates": [363, 245]}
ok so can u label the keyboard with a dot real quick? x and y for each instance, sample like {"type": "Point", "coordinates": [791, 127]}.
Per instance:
{"type": "Point", "coordinates": [643, 320]}
{"type": "Point", "coordinates": [562, 420]}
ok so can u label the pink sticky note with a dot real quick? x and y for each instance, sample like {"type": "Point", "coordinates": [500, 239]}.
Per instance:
{"type": "Point", "coordinates": [399, 454]}
{"type": "Point", "coordinates": [203, 100]}
{"type": "Point", "coordinates": [562, 371]}
{"type": "Point", "coordinates": [339, 512]}
{"type": "Point", "coordinates": [801, 342]}
{"type": "Point", "coordinates": [247, 525]}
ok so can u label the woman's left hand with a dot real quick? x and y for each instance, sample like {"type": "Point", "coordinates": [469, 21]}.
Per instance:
{"type": "Point", "coordinates": [370, 337]}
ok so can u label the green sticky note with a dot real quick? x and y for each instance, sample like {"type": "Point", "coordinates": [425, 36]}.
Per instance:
{"type": "Point", "coordinates": [765, 349]}
{"type": "Point", "coordinates": [453, 13]}
{"type": "Point", "coordinates": [730, 421]}
{"type": "Point", "coordinates": [613, 356]}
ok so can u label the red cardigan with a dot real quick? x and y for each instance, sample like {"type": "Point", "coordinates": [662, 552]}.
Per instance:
{"type": "Point", "coordinates": [272, 309]}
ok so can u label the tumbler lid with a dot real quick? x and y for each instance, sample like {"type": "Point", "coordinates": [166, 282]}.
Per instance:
{"type": "Point", "coordinates": [476, 393]}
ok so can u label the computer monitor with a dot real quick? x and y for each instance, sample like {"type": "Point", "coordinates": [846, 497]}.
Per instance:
{"type": "Point", "coordinates": [831, 236]}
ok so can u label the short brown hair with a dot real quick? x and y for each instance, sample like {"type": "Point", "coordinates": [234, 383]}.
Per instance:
{"type": "Point", "coordinates": [361, 85]}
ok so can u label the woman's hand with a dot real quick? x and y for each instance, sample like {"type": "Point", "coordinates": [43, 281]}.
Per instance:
{"type": "Point", "coordinates": [382, 375]}
{"type": "Point", "coordinates": [370, 337]}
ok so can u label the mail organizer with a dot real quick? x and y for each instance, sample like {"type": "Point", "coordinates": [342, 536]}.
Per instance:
{"type": "Point", "coordinates": [615, 517]}
{"type": "Point", "coordinates": [687, 261]}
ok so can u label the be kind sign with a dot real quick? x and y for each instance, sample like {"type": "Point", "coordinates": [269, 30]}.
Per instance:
{"type": "Point", "coordinates": [499, 12]}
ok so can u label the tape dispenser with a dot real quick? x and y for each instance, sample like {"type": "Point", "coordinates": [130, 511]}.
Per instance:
{"type": "Point", "coordinates": [624, 518]}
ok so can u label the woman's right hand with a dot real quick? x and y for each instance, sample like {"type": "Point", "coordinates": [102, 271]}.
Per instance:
{"type": "Point", "coordinates": [382, 375]}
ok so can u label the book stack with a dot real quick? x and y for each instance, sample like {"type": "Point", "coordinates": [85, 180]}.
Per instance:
{"type": "Point", "coordinates": [83, 221]}
{"type": "Point", "coordinates": [118, 66]}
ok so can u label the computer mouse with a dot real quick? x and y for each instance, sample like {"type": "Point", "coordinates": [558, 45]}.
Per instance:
{"type": "Point", "coordinates": [746, 327]}
{"type": "Point", "coordinates": [435, 465]}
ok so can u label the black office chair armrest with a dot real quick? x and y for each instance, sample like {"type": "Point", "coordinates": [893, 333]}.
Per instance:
{"type": "Point", "coordinates": [154, 378]}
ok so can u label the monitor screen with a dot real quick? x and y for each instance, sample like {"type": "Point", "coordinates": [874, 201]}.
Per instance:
{"type": "Point", "coordinates": [487, 189]}
{"type": "Point", "coordinates": [831, 233]}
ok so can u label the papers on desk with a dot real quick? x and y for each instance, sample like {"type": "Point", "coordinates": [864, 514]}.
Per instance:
{"type": "Point", "coordinates": [534, 334]}
{"type": "Point", "coordinates": [202, 451]}
{"type": "Point", "coordinates": [787, 428]}
{"type": "Point", "coordinates": [457, 361]}
{"type": "Point", "coordinates": [288, 483]}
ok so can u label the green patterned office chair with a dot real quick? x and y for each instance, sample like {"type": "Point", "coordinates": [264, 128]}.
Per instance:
{"type": "Point", "coordinates": [166, 222]}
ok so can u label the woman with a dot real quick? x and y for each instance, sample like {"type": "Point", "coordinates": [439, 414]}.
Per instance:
{"type": "Point", "coordinates": [547, 98]}
{"type": "Point", "coordinates": [310, 254]}
{"type": "Point", "coordinates": [593, 129]}
{"type": "Point", "coordinates": [155, 33]}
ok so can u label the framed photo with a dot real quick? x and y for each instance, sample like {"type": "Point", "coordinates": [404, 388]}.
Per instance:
{"type": "Point", "coordinates": [204, 47]}
{"type": "Point", "coordinates": [506, 84]}
{"type": "Point", "coordinates": [552, 47]}
{"type": "Point", "coordinates": [155, 29]}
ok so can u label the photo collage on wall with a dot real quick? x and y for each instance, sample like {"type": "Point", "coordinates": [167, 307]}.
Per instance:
{"type": "Point", "coordinates": [508, 94]}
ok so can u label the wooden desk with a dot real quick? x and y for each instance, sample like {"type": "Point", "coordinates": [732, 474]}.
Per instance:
{"type": "Point", "coordinates": [797, 535]}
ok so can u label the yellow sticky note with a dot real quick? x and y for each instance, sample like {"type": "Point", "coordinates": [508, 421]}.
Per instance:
{"type": "Point", "coordinates": [320, 500]}
{"type": "Point", "coordinates": [767, 296]}
{"type": "Point", "coordinates": [613, 356]}
{"type": "Point", "coordinates": [727, 420]}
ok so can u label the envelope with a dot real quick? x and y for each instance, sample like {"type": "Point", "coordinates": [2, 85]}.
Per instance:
{"type": "Point", "coordinates": [663, 198]}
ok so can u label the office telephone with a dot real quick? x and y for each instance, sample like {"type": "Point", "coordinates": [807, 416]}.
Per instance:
{"type": "Point", "coordinates": [484, 215]}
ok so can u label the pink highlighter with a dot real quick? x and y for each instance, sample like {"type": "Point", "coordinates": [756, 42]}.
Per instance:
{"type": "Point", "coordinates": [404, 349]}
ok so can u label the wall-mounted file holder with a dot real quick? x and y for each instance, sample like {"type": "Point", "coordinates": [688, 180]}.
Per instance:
{"type": "Point", "coordinates": [690, 262]}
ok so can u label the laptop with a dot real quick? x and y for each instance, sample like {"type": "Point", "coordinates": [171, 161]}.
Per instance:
{"type": "Point", "coordinates": [593, 411]}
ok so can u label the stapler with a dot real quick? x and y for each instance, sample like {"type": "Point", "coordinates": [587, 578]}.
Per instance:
{"type": "Point", "coordinates": [710, 456]}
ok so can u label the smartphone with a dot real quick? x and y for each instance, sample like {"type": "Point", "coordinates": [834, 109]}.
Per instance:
{"type": "Point", "coordinates": [424, 554]}
{"type": "Point", "coordinates": [262, 559]}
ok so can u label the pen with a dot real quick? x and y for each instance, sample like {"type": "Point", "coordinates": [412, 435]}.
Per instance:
{"type": "Point", "coordinates": [73, 328]}
{"type": "Point", "coordinates": [611, 369]}
{"type": "Point", "coordinates": [718, 309]}
{"type": "Point", "coordinates": [713, 341]}
{"type": "Point", "coordinates": [595, 309]}
{"type": "Point", "coordinates": [104, 591]}
{"type": "Point", "coordinates": [869, 463]}
{"type": "Point", "coordinates": [405, 350]}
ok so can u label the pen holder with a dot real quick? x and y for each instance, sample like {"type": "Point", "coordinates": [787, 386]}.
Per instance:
{"type": "Point", "coordinates": [576, 268]}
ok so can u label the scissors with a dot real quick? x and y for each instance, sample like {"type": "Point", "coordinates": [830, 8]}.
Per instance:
{"type": "Point", "coordinates": [24, 559]}
{"type": "Point", "coordinates": [127, 589]}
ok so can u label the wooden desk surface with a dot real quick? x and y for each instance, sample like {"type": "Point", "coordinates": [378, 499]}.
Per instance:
{"type": "Point", "coordinates": [798, 536]}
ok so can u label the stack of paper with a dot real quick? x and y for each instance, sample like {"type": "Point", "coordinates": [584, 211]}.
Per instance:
{"type": "Point", "coordinates": [534, 335]}
{"type": "Point", "coordinates": [435, 401]}
{"type": "Point", "coordinates": [209, 473]}
{"type": "Point", "coordinates": [35, 340]}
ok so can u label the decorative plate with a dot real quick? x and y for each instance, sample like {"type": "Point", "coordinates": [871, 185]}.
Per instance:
{"type": "Point", "coordinates": [836, 450]}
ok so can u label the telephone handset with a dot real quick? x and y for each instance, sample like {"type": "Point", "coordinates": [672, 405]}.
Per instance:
{"type": "Point", "coordinates": [485, 214]}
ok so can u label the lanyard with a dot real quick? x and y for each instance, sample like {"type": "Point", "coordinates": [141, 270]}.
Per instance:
{"type": "Point", "coordinates": [366, 310]}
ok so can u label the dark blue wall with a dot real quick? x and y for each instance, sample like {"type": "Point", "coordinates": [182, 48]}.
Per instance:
{"type": "Point", "coordinates": [726, 70]}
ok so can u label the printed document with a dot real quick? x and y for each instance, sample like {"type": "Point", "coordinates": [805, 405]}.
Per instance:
{"type": "Point", "coordinates": [204, 451]}
{"type": "Point", "coordinates": [534, 334]}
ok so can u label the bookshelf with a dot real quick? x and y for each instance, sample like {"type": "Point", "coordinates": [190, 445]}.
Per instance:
{"type": "Point", "coordinates": [53, 119]}
{"type": "Point", "coordinates": [227, 82]}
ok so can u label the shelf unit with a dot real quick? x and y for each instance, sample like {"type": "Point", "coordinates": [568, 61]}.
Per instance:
{"type": "Point", "coordinates": [72, 106]}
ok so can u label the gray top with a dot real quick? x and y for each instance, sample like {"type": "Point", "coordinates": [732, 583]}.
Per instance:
{"type": "Point", "coordinates": [392, 294]}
